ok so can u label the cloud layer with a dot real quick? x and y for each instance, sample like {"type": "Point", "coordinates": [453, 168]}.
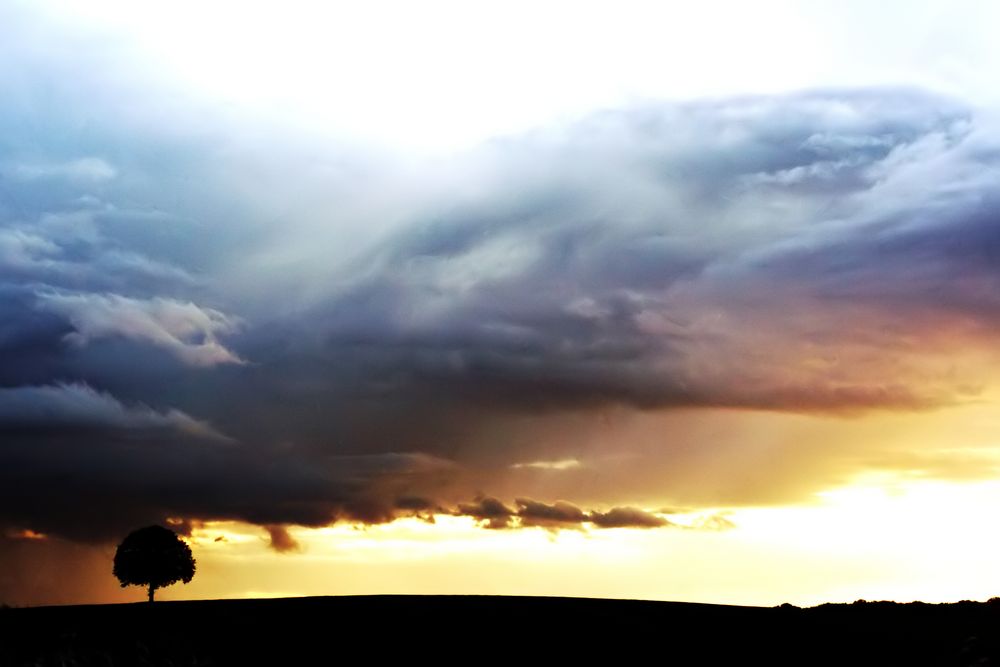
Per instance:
{"type": "Point", "coordinates": [670, 295]}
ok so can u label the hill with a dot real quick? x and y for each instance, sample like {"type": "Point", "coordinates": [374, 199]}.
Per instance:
{"type": "Point", "coordinates": [474, 629]}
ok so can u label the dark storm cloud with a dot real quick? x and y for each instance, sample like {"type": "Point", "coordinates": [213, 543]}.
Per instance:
{"type": "Point", "coordinates": [206, 317]}
{"type": "Point", "coordinates": [96, 483]}
{"type": "Point", "coordinates": [491, 513]}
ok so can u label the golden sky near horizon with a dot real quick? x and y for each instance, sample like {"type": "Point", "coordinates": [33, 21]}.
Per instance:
{"type": "Point", "coordinates": [886, 531]}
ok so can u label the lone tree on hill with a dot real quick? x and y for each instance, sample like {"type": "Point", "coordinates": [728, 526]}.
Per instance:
{"type": "Point", "coordinates": [155, 557]}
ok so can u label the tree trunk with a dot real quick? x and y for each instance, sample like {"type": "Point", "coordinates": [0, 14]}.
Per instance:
{"type": "Point", "coordinates": [151, 589]}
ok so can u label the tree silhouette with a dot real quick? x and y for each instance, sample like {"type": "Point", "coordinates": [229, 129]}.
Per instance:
{"type": "Point", "coordinates": [155, 557]}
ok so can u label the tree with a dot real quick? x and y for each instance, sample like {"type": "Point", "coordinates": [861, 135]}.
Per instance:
{"type": "Point", "coordinates": [155, 557]}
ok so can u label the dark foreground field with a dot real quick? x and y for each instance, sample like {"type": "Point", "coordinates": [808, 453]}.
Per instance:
{"type": "Point", "coordinates": [476, 630]}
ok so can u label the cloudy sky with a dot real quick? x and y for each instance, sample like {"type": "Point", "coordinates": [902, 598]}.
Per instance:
{"type": "Point", "coordinates": [625, 299]}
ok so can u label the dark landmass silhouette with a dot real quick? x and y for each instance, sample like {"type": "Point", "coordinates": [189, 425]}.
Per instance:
{"type": "Point", "coordinates": [485, 629]}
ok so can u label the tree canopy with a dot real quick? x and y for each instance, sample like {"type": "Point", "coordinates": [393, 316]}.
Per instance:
{"type": "Point", "coordinates": [155, 557]}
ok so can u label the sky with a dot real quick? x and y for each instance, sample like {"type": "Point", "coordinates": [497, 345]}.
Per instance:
{"type": "Point", "coordinates": [633, 300]}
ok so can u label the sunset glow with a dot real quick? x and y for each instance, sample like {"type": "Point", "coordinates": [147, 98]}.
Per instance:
{"type": "Point", "coordinates": [882, 538]}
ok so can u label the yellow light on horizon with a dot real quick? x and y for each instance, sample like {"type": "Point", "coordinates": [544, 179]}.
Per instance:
{"type": "Point", "coordinates": [882, 537]}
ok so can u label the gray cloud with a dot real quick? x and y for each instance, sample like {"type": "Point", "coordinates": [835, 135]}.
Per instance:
{"type": "Point", "coordinates": [78, 406]}
{"type": "Point", "coordinates": [548, 296]}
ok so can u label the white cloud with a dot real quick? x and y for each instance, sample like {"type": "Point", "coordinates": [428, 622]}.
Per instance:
{"type": "Point", "coordinates": [88, 169]}
{"type": "Point", "coordinates": [21, 250]}
{"type": "Point", "coordinates": [184, 329]}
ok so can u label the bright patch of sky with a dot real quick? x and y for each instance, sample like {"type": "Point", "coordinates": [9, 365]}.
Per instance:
{"type": "Point", "coordinates": [443, 75]}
